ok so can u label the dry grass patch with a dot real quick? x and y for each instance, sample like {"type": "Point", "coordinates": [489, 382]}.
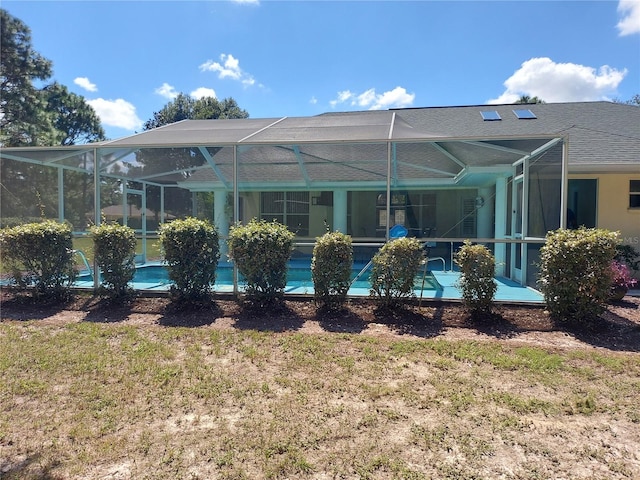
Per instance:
{"type": "Point", "coordinates": [105, 400]}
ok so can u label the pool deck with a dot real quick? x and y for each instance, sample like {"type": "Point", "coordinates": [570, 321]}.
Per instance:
{"type": "Point", "coordinates": [508, 290]}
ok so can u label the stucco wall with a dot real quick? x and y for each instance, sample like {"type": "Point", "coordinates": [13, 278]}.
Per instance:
{"type": "Point", "coordinates": [613, 206]}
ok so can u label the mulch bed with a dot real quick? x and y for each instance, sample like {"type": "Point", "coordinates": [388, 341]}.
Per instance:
{"type": "Point", "coordinates": [618, 328]}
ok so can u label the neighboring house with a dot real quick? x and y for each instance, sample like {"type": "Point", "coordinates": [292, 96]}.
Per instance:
{"type": "Point", "coordinates": [494, 173]}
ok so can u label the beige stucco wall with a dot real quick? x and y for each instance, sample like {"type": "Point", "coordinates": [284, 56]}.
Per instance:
{"type": "Point", "coordinates": [613, 212]}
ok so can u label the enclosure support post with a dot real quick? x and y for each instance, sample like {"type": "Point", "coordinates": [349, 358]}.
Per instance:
{"type": "Point", "coordinates": [220, 219]}
{"type": "Point", "coordinates": [501, 225]}
{"type": "Point", "coordinates": [565, 184]}
{"type": "Point", "coordinates": [236, 210]}
{"type": "Point", "coordinates": [340, 211]}
{"type": "Point", "coordinates": [97, 214]}
{"type": "Point", "coordinates": [60, 195]}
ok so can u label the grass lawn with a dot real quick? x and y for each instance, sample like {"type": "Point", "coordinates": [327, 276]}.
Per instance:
{"type": "Point", "coordinates": [107, 400]}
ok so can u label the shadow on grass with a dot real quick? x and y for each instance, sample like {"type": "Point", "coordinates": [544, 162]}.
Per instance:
{"type": "Point", "coordinates": [25, 307]}
{"type": "Point", "coordinates": [190, 314]}
{"type": "Point", "coordinates": [610, 331]}
{"type": "Point", "coordinates": [405, 320]}
{"type": "Point", "coordinates": [274, 316]}
{"type": "Point", "coordinates": [32, 467]}
{"type": "Point", "coordinates": [108, 310]}
{"type": "Point", "coordinates": [340, 320]}
{"type": "Point", "coordinates": [493, 324]}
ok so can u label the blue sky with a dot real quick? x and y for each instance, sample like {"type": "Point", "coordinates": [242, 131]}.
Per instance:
{"type": "Point", "coordinates": [299, 58]}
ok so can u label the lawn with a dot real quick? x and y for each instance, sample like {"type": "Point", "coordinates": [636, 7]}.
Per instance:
{"type": "Point", "coordinates": [124, 400]}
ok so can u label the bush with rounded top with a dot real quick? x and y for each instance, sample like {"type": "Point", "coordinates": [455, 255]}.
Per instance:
{"type": "Point", "coordinates": [477, 271]}
{"type": "Point", "coordinates": [261, 250]}
{"type": "Point", "coordinates": [40, 255]}
{"type": "Point", "coordinates": [115, 249]}
{"type": "Point", "coordinates": [575, 272]}
{"type": "Point", "coordinates": [331, 269]}
{"type": "Point", "coordinates": [395, 267]}
{"type": "Point", "coordinates": [191, 251]}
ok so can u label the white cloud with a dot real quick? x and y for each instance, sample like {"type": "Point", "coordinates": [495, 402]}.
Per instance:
{"type": "Point", "coordinates": [342, 98]}
{"type": "Point", "coordinates": [167, 91]}
{"type": "Point", "coordinates": [247, 2]}
{"type": "Point", "coordinates": [202, 92]}
{"type": "Point", "coordinates": [313, 100]}
{"type": "Point", "coordinates": [229, 68]}
{"type": "Point", "coordinates": [560, 82]}
{"type": "Point", "coordinates": [630, 21]}
{"type": "Point", "coordinates": [398, 97]}
{"type": "Point", "coordinates": [85, 83]}
{"type": "Point", "coordinates": [116, 113]}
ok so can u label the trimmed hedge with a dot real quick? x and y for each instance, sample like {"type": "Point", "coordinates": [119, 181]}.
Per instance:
{"type": "Point", "coordinates": [477, 271]}
{"type": "Point", "coordinates": [395, 267]}
{"type": "Point", "coordinates": [331, 269]}
{"type": "Point", "coordinates": [40, 255]}
{"type": "Point", "coordinates": [115, 250]}
{"type": "Point", "coordinates": [191, 251]}
{"type": "Point", "coordinates": [575, 272]}
{"type": "Point", "coordinates": [261, 250]}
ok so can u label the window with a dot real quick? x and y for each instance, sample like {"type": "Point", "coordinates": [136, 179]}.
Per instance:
{"type": "Point", "coordinates": [289, 208]}
{"type": "Point", "coordinates": [490, 116]}
{"type": "Point", "coordinates": [634, 193]}
{"type": "Point", "coordinates": [524, 114]}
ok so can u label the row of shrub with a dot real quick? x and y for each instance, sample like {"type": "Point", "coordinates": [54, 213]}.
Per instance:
{"type": "Point", "coordinates": [576, 274]}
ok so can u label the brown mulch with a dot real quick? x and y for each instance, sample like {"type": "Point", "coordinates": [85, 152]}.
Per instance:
{"type": "Point", "coordinates": [617, 329]}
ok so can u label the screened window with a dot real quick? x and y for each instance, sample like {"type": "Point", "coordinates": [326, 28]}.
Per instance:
{"type": "Point", "coordinates": [289, 208]}
{"type": "Point", "coordinates": [634, 193]}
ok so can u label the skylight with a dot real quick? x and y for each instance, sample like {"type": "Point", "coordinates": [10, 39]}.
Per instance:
{"type": "Point", "coordinates": [490, 115]}
{"type": "Point", "coordinates": [524, 114]}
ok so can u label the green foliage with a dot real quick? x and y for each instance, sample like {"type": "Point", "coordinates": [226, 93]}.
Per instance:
{"type": "Point", "coordinates": [331, 269]}
{"type": "Point", "coordinates": [114, 250]}
{"type": "Point", "coordinates": [575, 272]}
{"type": "Point", "coordinates": [628, 255]}
{"type": "Point", "coordinates": [185, 107]}
{"type": "Point", "coordinates": [76, 121]}
{"type": "Point", "coordinates": [24, 120]}
{"type": "Point", "coordinates": [40, 255]}
{"type": "Point", "coordinates": [37, 116]}
{"type": "Point", "coordinates": [395, 267]}
{"type": "Point", "coordinates": [191, 251]}
{"type": "Point", "coordinates": [477, 283]}
{"type": "Point", "coordinates": [261, 251]}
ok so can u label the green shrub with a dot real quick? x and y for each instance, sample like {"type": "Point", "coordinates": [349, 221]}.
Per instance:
{"type": "Point", "coordinates": [191, 251]}
{"type": "Point", "coordinates": [261, 251]}
{"type": "Point", "coordinates": [628, 255]}
{"type": "Point", "coordinates": [477, 271]}
{"type": "Point", "coordinates": [331, 269]}
{"type": "Point", "coordinates": [114, 249]}
{"type": "Point", "coordinates": [40, 255]}
{"type": "Point", "coordinates": [575, 272]}
{"type": "Point", "coordinates": [395, 267]}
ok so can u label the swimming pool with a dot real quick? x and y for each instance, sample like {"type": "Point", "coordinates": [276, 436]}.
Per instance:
{"type": "Point", "coordinates": [299, 280]}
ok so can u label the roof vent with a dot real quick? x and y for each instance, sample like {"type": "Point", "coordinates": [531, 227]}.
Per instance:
{"type": "Point", "coordinates": [524, 114]}
{"type": "Point", "coordinates": [490, 115]}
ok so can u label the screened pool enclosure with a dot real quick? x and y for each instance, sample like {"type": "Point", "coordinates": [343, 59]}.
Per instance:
{"type": "Point", "coordinates": [360, 173]}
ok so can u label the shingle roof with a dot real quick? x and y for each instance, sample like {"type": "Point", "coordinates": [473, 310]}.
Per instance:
{"type": "Point", "coordinates": [598, 132]}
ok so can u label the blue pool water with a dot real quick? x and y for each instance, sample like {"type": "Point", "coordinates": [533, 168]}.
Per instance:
{"type": "Point", "coordinates": [297, 276]}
